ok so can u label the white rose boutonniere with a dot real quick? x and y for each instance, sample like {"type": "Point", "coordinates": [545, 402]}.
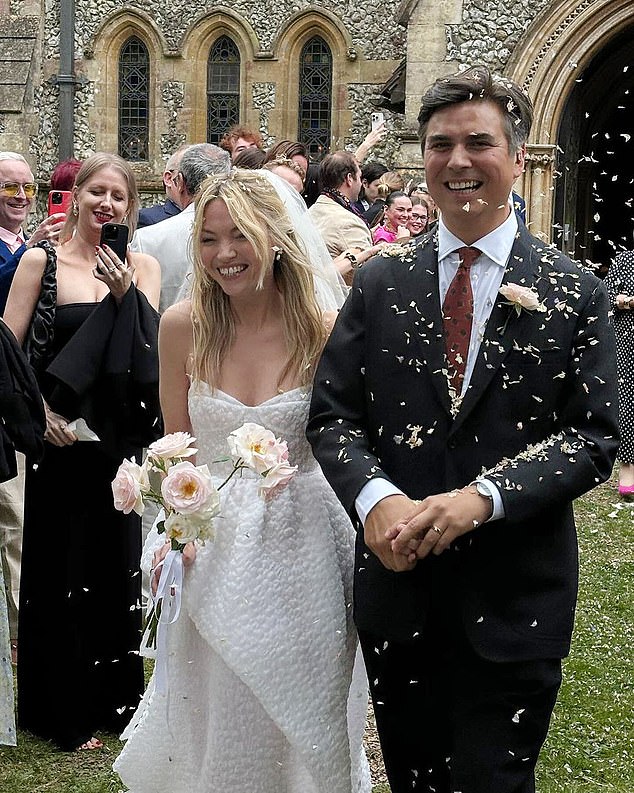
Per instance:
{"type": "Point", "coordinates": [522, 298]}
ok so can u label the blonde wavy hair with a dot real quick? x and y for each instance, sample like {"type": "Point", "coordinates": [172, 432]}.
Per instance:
{"type": "Point", "coordinates": [88, 169]}
{"type": "Point", "coordinates": [389, 182]}
{"type": "Point", "coordinates": [259, 213]}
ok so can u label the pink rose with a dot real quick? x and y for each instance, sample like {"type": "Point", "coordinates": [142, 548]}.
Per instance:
{"type": "Point", "coordinates": [187, 488]}
{"type": "Point", "coordinates": [127, 487]}
{"type": "Point", "coordinates": [176, 444]}
{"type": "Point", "coordinates": [522, 297]}
{"type": "Point", "coordinates": [257, 447]}
{"type": "Point", "coordinates": [276, 479]}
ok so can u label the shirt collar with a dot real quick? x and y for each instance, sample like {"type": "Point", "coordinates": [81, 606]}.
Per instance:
{"type": "Point", "coordinates": [12, 241]}
{"type": "Point", "coordinates": [496, 245]}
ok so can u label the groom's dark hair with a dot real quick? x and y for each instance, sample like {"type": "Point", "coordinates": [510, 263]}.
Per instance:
{"type": "Point", "coordinates": [480, 84]}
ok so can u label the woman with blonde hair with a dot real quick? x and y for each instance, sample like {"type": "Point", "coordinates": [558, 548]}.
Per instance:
{"type": "Point", "coordinates": [260, 692]}
{"type": "Point", "coordinates": [88, 322]}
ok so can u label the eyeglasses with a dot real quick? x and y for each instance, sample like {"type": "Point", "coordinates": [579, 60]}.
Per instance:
{"type": "Point", "coordinates": [13, 188]}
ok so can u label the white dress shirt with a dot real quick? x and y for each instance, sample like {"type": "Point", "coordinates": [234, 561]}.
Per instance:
{"type": "Point", "coordinates": [486, 275]}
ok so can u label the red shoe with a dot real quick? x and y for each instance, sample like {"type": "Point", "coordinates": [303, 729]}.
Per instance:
{"type": "Point", "coordinates": [626, 492]}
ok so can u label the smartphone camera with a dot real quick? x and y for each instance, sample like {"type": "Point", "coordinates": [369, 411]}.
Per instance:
{"type": "Point", "coordinates": [57, 197]}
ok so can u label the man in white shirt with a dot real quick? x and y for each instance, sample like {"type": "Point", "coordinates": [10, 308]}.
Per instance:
{"type": "Point", "coordinates": [466, 396]}
{"type": "Point", "coordinates": [170, 240]}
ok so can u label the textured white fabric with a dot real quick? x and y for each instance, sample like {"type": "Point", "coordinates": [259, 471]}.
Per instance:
{"type": "Point", "coordinates": [261, 657]}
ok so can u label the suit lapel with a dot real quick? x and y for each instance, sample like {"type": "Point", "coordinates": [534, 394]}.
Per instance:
{"type": "Point", "coordinates": [417, 279]}
{"type": "Point", "coordinates": [523, 268]}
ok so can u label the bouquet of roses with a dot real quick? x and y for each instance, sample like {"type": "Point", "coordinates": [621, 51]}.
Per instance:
{"type": "Point", "coordinates": [189, 500]}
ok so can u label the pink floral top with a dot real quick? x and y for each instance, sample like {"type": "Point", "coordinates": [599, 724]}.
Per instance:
{"type": "Point", "coordinates": [382, 234]}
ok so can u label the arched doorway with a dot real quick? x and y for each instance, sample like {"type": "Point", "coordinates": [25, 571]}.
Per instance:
{"type": "Point", "coordinates": [594, 181]}
{"type": "Point", "coordinates": [572, 60]}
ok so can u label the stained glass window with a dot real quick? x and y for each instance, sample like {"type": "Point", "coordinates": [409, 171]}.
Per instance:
{"type": "Point", "coordinates": [134, 100]}
{"type": "Point", "coordinates": [223, 88]}
{"type": "Point", "coordinates": [315, 97]}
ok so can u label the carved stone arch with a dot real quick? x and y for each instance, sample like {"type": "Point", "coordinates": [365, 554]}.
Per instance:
{"type": "Point", "coordinates": [547, 61]}
{"type": "Point", "coordinates": [288, 46]}
{"type": "Point", "coordinates": [196, 45]}
{"type": "Point", "coordinates": [102, 67]}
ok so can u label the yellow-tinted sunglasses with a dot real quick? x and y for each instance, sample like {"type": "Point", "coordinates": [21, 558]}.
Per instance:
{"type": "Point", "coordinates": [13, 188]}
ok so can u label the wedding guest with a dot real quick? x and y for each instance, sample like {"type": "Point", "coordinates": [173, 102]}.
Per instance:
{"type": "Point", "coordinates": [620, 285]}
{"type": "Point", "coordinates": [21, 428]}
{"type": "Point", "coordinates": [239, 138]}
{"type": "Point", "coordinates": [291, 150]}
{"type": "Point", "coordinates": [262, 653]}
{"type": "Point", "coordinates": [394, 227]}
{"type": "Point", "coordinates": [370, 175]}
{"type": "Point", "coordinates": [18, 190]}
{"type": "Point", "coordinates": [465, 398]}
{"type": "Point", "coordinates": [64, 173]}
{"type": "Point", "coordinates": [340, 226]}
{"type": "Point", "coordinates": [389, 182]}
{"type": "Point", "coordinates": [251, 158]}
{"type": "Point", "coordinates": [148, 216]}
{"type": "Point", "coordinates": [88, 322]}
{"type": "Point", "coordinates": [419, 216]}
{"type": "Point", "coordinates": [289, 170]}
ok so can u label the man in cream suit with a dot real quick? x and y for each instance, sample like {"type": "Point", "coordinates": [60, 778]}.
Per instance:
{"type": "Point", "coordinates": [339, 223]}
{"type": "Point", "coordinates": [170, 240]}
{"type": "Point", "coordinates": [465, 398]}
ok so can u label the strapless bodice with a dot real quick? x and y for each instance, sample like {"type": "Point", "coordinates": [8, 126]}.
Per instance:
{"type": "Point", "coordinates": [214, 415]}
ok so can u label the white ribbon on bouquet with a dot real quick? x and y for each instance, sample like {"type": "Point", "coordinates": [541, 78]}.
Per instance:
{"type": "Point", "coordinates": [168, 595]}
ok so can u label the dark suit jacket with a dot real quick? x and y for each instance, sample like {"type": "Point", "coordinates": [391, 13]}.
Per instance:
{"type": "Point", "coordinates": [8, 265]}
{"type": "Point", "coordinates": [540, 415]}
{"type": "Point", "coordinates": [148, 216]}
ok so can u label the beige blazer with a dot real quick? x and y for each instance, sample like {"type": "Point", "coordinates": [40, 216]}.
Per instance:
{"type": "Point", "coordinates": [340, 228]}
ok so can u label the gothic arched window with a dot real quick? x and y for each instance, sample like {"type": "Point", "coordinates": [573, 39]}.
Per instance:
{"type": "Point", "coordinates": [315, 96]}
{"type": "Point", "coordinates": [223, 88]}
{"type": "Point", "coordinates": [134, 100]}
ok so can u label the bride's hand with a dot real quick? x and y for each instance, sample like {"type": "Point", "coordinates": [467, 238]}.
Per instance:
{"type": "Point", "coordinates": [189, 555]}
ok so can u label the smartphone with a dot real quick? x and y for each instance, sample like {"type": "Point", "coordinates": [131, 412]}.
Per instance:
{"type": "Point", "coordinates": [115, 236]}
{"type": "Point", "coordinates": [59, 201]}
{"type": "Point", "coordinates": [377, 119]}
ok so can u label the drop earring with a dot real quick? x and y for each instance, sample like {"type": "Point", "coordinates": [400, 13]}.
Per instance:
{"type": "Point", "coordinates": [75, 209]}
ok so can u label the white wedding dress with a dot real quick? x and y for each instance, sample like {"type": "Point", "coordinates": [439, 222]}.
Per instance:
{"type": "Point", "coordinates": [261, 691]}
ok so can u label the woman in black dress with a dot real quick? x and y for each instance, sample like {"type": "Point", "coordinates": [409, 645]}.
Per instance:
{"type": "Point", "coordinates": [620, 285]}
{"type": "Point", "coordinates": [88, 322]}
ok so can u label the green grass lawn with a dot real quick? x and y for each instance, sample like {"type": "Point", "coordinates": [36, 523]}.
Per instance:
{"type": "Point", "coordinates": [590, 748]}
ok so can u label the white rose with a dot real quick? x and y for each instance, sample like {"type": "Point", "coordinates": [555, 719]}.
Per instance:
{"type": "Point", "coordinates": [176, 444]}
{"type": "Point", "coordinates": [256, 447]}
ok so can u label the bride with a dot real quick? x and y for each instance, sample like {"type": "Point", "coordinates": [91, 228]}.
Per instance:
{"type": "Point", "coordinates": [261, 692]}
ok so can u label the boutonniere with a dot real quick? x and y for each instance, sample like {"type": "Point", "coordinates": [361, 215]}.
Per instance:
{"type": "Point", "coordinates": [521, 298]}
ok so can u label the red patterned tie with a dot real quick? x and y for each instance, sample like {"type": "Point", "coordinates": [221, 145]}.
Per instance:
{"type": "Point", "coordinates": [457, 311]}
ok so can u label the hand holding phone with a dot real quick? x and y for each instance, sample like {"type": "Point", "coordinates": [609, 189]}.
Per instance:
{"type": "Point", "coordinates": [115, 236]}
{"type": "Point", "coordinates": [59, 201]}
{"type": "Point", "coordinates": [376, 120]}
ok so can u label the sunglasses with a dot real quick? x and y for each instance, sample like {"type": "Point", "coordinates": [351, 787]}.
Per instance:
{"type": "Point", "coordinates": [13, 188]}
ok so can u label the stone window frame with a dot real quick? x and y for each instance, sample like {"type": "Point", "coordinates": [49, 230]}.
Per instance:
{"type": "Point", "coordinates": [197, 45]}
{"type": "Point", "coordinates": [104, 59]}
{"type": "Point", "coordinates": [291, 40]}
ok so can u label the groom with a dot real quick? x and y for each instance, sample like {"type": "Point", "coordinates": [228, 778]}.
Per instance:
{"type": "Point", "coordinates": [465, 398]}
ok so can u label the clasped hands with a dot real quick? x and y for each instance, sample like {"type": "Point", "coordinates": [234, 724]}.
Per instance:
{"type": "Point", "coordinates": [400, 531]}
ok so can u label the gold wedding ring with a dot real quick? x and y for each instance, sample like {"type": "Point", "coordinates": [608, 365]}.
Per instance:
{"type": "Point", "coordinates": [437, 530]}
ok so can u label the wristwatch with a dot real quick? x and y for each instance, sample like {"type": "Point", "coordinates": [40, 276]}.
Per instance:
{"type": "Point", "coordinates": [354, 262]}
{"type": "Point", "coordinates": [483, 490]}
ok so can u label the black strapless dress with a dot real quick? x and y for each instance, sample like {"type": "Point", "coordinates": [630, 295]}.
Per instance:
{"type": "Point", "coordinates": [80, 618]}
